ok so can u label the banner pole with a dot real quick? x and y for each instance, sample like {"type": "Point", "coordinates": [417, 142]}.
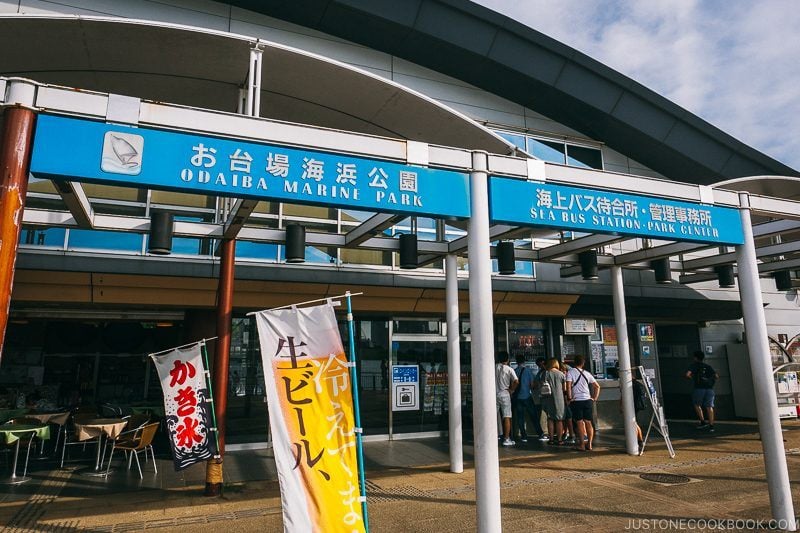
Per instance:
{"type": "Point", "coordinates": [354, 383]}
{"type": "Point", "coordinates": [211, 397]}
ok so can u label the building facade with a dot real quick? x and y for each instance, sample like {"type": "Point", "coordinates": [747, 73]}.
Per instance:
{"type": "Point", "coordinates": [90, 301]}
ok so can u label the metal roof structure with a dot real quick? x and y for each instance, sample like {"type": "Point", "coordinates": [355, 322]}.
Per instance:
{"type": "Point", "coordinates": [491, 51]}
{"type": "Point", "coordinates": [775, 234]}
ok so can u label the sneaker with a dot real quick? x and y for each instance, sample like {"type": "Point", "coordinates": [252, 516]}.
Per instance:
{"type": "Point", "coordinates": [711, 428]}
{"type": "Point", "coordinates": [524, 439]}
{"type": "Point", "coordinates": [508, 442]}
{"type": "Point", "coordinates": [702, 425]}
{"type": "Point", "coordinates": [544, 438]}
{"type": "Point", "coordinates": [570, 441]}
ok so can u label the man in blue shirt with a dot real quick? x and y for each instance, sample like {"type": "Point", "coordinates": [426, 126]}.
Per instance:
{"type": "Point", "coordinates": [524, 401]}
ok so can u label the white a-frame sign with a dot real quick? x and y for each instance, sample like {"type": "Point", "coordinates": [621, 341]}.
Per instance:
{"type": "Point", "coordinates": [657, 419]}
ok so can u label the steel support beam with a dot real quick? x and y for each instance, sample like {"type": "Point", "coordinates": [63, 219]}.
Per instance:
{"type": "Point", "coordinates": [370, 227]}
{"type": "Point", "coordinates": [657, 252]}
{"type": "Point", "coordinates": [578, 245]}
{"type": "Point", "coordinates": [240, 212]}
{"type": "Point", "coordinates": [495, 232]}
{"type": "Point", "coordinates": [76, 201]}
{"type": "Point", "coordinates": [728, 258]}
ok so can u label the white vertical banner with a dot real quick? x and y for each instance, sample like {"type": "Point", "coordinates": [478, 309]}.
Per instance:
{"type": "Point", "coordinates": [187, 408]}
{"type": "Point", "coordinates": [311, 415]}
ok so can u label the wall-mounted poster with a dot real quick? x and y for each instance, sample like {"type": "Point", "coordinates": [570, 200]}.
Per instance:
{"type": "Point", "coordinates": [646, 333]}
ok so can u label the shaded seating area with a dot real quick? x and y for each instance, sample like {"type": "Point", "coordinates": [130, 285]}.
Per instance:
{"type": "Point", "coordinates": [134, 441]}
{"type": "Point", "coordinates": [19, 431]}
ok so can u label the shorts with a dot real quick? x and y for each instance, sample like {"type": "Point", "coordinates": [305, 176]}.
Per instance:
{"type": "Point", "coordinates": [504, 403]}
{"type": "Point", "coordinates": [703, 397]}
{"type": "Point", "coordinates": [581, 409]}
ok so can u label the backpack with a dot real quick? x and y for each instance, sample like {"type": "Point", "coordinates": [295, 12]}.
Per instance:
{"type": "Point", "coordinates": [705, 377]}
{"type": "Point", "coordinates": [546, 389]}
{"type": "Point", "coordinates": [639, 396]}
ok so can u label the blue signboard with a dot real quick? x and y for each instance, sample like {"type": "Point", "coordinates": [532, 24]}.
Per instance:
{"type": "Point", "coordinates": [405, 374]}
{"type": "Point", "coordinates": [520, 202]}
{"type": "Point", "coordinates": [83, 150]}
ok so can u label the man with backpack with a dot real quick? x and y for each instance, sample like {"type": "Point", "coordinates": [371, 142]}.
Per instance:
{"type": "Point", "coordinates": [703, 378]}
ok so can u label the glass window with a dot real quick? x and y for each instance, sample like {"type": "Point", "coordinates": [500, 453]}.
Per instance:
{"type": "Point", "coordinates": [550, 151]}
{"type": "Point", "coordinates": [315, 254]}
{"type": "Point", "coordinates": [427, 327]}
{"type": "Point", "coordinates": [256, 250]}
{"type": "Point", "coordinates": [309, 211]}
{"type": "Point", "coordinates": [104, 240]}
{"type": "Point", "coordinates": [372, 353]}
{"type": "Point", "coordinates": [357, 256]}
{"type": "Point", "coordinates": [526, 338]}
{"type": "Point", "coordinates": [514, 138]}
{"type": "Point", "coordinates": [581, 156]}
{"type": "Point", "coordinates": [246, 410]}
{"type": "Point", "coordinates": [167, 198]}
{"type": "Point", "coordinates": [41, 185]}
{"type": "Point", "coordinates": [37, 236]}
{"type": "Point", "coordinates": [114, 192]}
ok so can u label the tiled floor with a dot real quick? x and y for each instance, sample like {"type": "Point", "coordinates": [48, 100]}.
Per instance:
{"type": "Point", "coordinates": [405, 475]}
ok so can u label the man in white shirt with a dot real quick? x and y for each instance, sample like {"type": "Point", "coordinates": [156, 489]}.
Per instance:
{"type": "Point", "coordinates": [582, 392]}
{"type": "Point", "coordinates": [505, 383]}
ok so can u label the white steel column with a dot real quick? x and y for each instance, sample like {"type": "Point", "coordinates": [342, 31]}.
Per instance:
{"type": "Point", "coordinates": [780, 495]}
{"type": "Point", "coordinates": [484, 410]}
{"type": "Point", "coordinates": [251, 76]}
{"type": "Point", "coordinates": [453, 365]}
{"type": "Point", "coordinates": [624, 353]}
{"type": "Point", "coordinates": [256, 110]}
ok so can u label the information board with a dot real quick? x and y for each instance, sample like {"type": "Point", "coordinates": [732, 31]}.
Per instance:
{"type": "Point", "coordinates": [405, 387]}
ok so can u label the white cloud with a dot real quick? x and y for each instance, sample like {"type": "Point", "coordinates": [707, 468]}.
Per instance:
{"type": "Point", "coordinates": [735, 64]}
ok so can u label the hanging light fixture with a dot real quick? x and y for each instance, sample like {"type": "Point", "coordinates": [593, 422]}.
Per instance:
{"type": "Point", "coordinates": [295, 243]}
{"type": "Point", "coordinates": [783, 280]}
{"type": "Point", "coordinates": [506, 263]}
{"type": "Point", "coordinates": [408, 251]}
{"type": "Point", "coordinates": [725, 276]}
{"type": "Point", "coordinates": [161, 228]}
{"type": "Point", "coordinates": [662, 270]}
{"type": "Point", "coordinates": [588, 261]}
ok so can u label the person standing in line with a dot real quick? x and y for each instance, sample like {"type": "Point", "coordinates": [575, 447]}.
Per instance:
{"type": "Point", "coordinates": [552, 393]}
{"type": "Point", "coordinates": [582, 391]}
{"type": "Point", "coordinates": [569, 423]}
{"type": "Point", "coordinates": [536, 398]}
{"type": "Point", "coordinates": [703, 378]}
{"type": "Point", "coordinates": [524, 400]}
{"type": "Point", "coordinates": [505, 383]}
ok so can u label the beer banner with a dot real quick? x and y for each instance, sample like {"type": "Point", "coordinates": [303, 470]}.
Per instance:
{"type": "Point", "coordinates": [312, 419]}
{"type": "Point", "coordinates": [187, 408]}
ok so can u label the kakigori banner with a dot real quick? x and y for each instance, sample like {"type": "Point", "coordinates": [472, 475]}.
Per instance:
{"type": "Point", "coordinates": [187, 405]}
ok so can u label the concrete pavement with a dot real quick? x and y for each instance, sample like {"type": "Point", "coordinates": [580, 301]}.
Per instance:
{"type": "Point", "coordinates": [718, 478]}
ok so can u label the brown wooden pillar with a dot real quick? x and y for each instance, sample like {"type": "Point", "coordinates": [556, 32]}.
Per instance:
{"type": "Point", "coordinates": [219, 372]}
{"type": "Point", "coordinates": [15, 156]}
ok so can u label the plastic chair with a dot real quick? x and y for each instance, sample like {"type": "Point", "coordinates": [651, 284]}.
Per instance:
{"type": "Point", "coordinates": [29, 438]}
{"type": "Point", "coordinates": [70, 438]}
{"type": "Point", "coordinates": [135, 441]}
{"type": "Point", "coordinates": [110, 410]}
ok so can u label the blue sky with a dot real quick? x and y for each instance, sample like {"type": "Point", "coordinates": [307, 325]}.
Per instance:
{"type": "Point", "coordinates": [734, 63]}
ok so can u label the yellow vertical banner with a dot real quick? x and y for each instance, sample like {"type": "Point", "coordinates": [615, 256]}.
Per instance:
{"type": "Point", "coordinates": [311, 417]}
